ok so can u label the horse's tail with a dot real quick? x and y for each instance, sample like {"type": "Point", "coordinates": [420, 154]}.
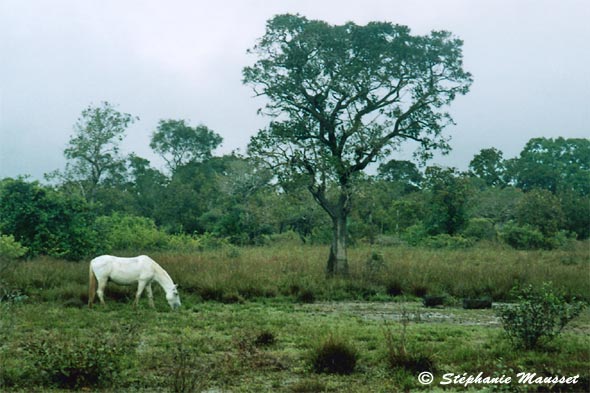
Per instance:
{"type": "Point", "coordinates": [91, 286]}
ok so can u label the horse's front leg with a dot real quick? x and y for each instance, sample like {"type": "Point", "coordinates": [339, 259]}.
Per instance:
{"type": "Point", "coordinates": [150, 295]}
{"type": "Point", "coordinates": [140, 287]}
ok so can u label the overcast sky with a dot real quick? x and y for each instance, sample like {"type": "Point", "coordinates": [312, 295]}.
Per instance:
{"type": "Point", "coordinates": [184, 59]}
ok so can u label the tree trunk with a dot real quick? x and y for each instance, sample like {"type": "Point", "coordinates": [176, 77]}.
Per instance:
{"type": "Point", "coordinates": [337, 261]}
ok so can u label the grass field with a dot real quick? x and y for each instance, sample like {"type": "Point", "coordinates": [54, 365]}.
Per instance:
{"type": "Point", "coordinates": [252, 318]}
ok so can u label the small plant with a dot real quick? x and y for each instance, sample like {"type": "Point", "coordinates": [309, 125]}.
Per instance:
{"type": "Point", "coordinates": [398, 356]}
{"type": "Point", "coordinates": [393, 288]}
{"type": "Point", "coordinates": [187, 371]}
{"type": "Point", "coordinates": [306, 296]}
{"type": "Point", "coordinates": [265, 338]}
{"type": "Point", "coordinates": [433, 300]}
{"type": "Point", "coordinates": [539, 315]}
{"type": "Point", "coordinates": [477, 303]}
{"type": "Point", "coordinates": [375, 263]}
{"type": "Point", "coordinates": [334, 356]}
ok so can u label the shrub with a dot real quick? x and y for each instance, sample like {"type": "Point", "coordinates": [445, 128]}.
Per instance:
{"type": "Point", "coordinates": [523, 237]}
{"type": "Point", "coordinates": [433, 300]}
{"type": "Point", "coordinates": [477, 303]}
{"type": "Point", "coordinates": [539, 315]}
{"type": "Point", "coordinates": [480, 229]}
{"type": "Point", "coordinates": [124, 232]}
{"type": "Point", "coordinates": [265, 338]}
{"type": "Point", "coordinates": [393, 288]}
{"type": "Point", "coordinates": [414, 234]}
{"type": "Point", "coordinates": [398, 357]}
{"type": "Point", "coordinates": [68, 363]}
{"type": "Point", "coordinates": [447, 241]}
{"type": "Point", "coordinates": [306, 296]}
{"type": "Point", "coordinates": [10, 248]}
{"type": "Point", "coordinates": [187, 372]}
{"type": "Point", "coordinates": [334, 356]}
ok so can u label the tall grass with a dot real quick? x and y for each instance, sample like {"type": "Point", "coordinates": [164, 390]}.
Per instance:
{"type": "Point", "coordinates": [288, 270]}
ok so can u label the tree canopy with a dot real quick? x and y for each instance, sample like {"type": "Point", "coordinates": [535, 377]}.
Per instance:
{"type": "Point", "coordinates": [178, 143]}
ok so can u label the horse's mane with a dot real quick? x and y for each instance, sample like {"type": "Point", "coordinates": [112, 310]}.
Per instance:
{"type": "Point", "coordinates": [162, 275]}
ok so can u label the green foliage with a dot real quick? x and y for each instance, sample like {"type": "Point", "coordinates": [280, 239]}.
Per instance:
{"type": "Point", "coordinates": [415, 234]}
{"type": "Point", "coordinates": [576, 214]}
{"type": "Point", "coordinates": [480, 229]}
{"type": "Point", "coordinates": [188, 374]}
{"type": "Point", "coordinates": [93, 151]}
{"type": "Point", "coordinates": [448, 201]}
{"type": "Point", "coordinates": [178, 143]}
{"type": "Point", "coordinates": [447, 241]}
{"type": "Point", "coordinates": [539, 315]}
{"type": "Point", "coordinates": [10, 248]}
{"type": "Point", "coordinates": [556, 165]}
{"type": "Point", "coordinates": [334, 355]}
{"type": "Point", "coordinates": [397, 354]}
{"type": "Point", "coordinates": [523, 237]}
{"type": "Point", "coordinates": [75, 363]}
{"type": "Point", "coordinates": [489, 166]}
{"type": "Point", "coordinates": [47, 221]}
{"type": "Point", "coordinates": [123, 232]}
{"type": "Point", "coordinates": [542, 210]}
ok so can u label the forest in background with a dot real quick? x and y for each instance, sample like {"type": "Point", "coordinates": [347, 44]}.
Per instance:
{"type": "Point", "coordinates": [104, 202]}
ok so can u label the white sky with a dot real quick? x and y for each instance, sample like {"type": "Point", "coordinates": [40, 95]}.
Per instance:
{"type": "Point", "coordinates": [184, 59]}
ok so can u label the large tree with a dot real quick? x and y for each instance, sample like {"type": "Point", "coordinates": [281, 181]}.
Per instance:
{"type": "Point", "coordinates": [344, 96]}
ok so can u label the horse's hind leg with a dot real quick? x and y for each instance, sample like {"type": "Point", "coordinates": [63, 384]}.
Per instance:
{"type": "Point", "coordinates": [100, 291]}
{"type": "Point", "coordinates": [148, 288]}
{"type": "Point", "coordinates": [140, 287]}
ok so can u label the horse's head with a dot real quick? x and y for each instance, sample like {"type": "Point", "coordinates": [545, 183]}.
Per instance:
{"type": "Point", "coordinates": [173, 298]}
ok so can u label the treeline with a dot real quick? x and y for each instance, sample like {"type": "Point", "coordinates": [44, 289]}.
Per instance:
{"type": "Point", "coordinates": [103, 202]}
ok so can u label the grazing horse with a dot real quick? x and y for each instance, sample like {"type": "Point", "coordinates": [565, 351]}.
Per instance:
{"type": "Point", "coordinates": [141, 270]}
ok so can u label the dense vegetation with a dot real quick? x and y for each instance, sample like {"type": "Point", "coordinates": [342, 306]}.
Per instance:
{"type": "Point", "coordinates": [538, 200]}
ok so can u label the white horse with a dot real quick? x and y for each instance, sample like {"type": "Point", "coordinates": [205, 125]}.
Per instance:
{"type": "Point", "coordinates": [141, 270]}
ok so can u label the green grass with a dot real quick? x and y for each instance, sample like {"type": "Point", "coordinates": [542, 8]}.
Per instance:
{"type": "Point", "coordinates": [214, 345]}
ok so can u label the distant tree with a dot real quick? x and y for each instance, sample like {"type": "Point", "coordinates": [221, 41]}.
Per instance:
{"type": "Point", "coordinates": [93, 151]}
{"type": "Point", "coordinates": [449, 191]}
{"type": "Point", "coordinates": [496, 204]}
{"type": "Point", "coordinates": [405, 172]}
{"type": "Point", "coordinates": [553, 164]}
{"type": "Point", "coordinates": [179, 144]}
{"type": "Point", "coordinates": [488, 165]}
{"type": "Point", "coordinates": [576, 211]}
{"type": "Point", "coordinates": [541, 210]}
{"type": "Point", "coordinates": [345, 96]}
{"type": "Point", "coordinates": [147, 186]}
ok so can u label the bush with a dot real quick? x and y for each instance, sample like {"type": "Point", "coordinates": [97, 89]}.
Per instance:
{"type": "Point", "coordinates": [10, 248]}
{"type": "Point", "coordinates": [447, 241]}
{"type": "Point", "coordinates": [398, 357]}
{"type": "Point", "coordinates": [265, 338]}
{"type": "Point", "coordinates": [306, 295]}
{"type": "Point", "coordinates": [414, 234]}
{"type": "Point", "coordinates": [334, 356]}
{"type": "Point", "coordinates": [539, 315]}
{"type": "Point", "coordinates": [480, 229]}
{"type": "Point", "coordinates": [124, 232]}
{"type": "Point", "coordinates": [77, 363]}
{"type": "Point", "coordinates": [523, 237]}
